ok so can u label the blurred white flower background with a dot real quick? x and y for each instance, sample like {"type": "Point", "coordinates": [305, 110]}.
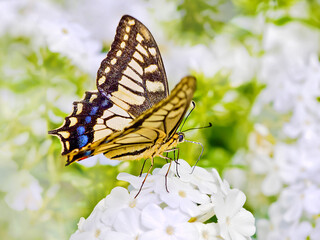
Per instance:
{"type": "Point", "coordinates": [258, 74]}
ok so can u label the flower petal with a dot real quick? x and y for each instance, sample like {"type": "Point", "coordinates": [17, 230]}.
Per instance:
{"type": "Point", "coordinates": [152, 217]}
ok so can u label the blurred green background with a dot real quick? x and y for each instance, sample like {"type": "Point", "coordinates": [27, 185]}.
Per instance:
{"type": "Point", "coordinates": [49, 54]}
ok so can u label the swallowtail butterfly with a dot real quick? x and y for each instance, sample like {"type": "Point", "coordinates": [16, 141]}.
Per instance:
{"type": "Point", "coordinates": [131, 115]}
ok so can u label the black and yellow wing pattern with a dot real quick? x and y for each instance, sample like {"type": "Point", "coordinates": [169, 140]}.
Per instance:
{"type": "Point", "coordinates": [131, 115]}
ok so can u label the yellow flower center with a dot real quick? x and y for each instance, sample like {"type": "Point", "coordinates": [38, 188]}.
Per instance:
{"type": "Point", "coordinates": [97, 233]}
{"type": "Point", "coordinates": [182, 194]}
{"type": "Point", "coordinates": [170, 230]}
{"type": "Point", "coordinates": [205, 235]}
{"type": "Point", "coordinates": [133, 203]}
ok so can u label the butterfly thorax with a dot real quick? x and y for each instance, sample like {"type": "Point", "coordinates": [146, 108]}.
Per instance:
{"type": "Point", "coordinates": [170, 144]}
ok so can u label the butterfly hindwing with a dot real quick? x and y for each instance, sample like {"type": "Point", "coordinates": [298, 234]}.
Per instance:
{"type": "Point", "coordinates": [132, 75]}
{"type": "Point", "coordinates": [168, 114]}
{"type": "Point", "coordinates": [92, 119]}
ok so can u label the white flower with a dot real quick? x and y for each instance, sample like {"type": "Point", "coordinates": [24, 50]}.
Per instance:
{"type": "Point", "coordinates": [92, 161]}
{"type": "Point", "coordinates": [8, 169]}
{"type": "Point", "coordinates": [231, 58]}
{"type": "Point", "coordinates": [201, 178]}
{"type": "Point", "coordinates": [300, 163]}
{"type": "Point", "coordinates": [209, 231]}
{"type": "Point", "coordinates": [127, 225]}
{"type": "Point", "coordinates": [315, 233]}
{"type": "Point", "coordinates": [71, 40]}
{"type": "Point", "coordinates": [294, 40]}
{"type": "Point", "coordinates": [236, 177]}
{"type": "Point", "coordinates": [39, 127]}
{"type": "Point", "coordinates": [21, 139]}
{"type": "Point", "coordinates": [305, 117]}
{"type": "Point", "coordinates": [234, 221]}
{"type": "Point", "coordinates": [136, 181]}
{"type": "Point", "coordinates": [300, 198]}
{"type": "Point", "coordinates": [91, 228]}
{"type": "Point", "coordinates": [157, 214]}
{"type": "Point", "coordinates": [300, 231]}
{"type": "Point", "coordinates": [120, 199]}
{"type": "Point", "coordinates": [224, 186]}
{"type": "Point", "coordinates": [24, 192]}
{"type": "Point", "coordinates": [260, 140]}
{"type": "Point", "coordinates": [263, 229]}
{"type": "Point", "coordinates": [268, 230]}
{"type": "Point", "coordinates": [303, 124]}
{"type": "Point", "coordinates": [95, 12]}
{"type": "Point", "coordinates": [272, 167]}
{"type": "Point", "coordinates": [166, 224]}
{"type": "Point", "coordinates": [184, 196]}
{"type": "Point", "coordinates": [275, 227]}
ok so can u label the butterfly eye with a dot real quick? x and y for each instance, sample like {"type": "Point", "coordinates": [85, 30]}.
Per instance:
{"type": "Point", "coordinates": [181, 137]}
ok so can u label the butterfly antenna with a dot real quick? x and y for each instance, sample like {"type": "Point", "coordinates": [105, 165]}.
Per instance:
{"type": "Point", "coordinates": [210, 125]}
{"type": "Point", "coordinates": [184, 121]}
{"type": "Point", "coordinates": [199, 155]}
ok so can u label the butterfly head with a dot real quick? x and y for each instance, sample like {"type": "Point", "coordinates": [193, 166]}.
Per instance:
{"type": "Point", "coordinates": [181, 137]}
{"type": "Point", "coordinates": [172, 142]}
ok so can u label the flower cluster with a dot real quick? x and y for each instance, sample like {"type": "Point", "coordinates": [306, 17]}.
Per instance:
{"type": "Point", "coordinates": [179, 213]}
{"type": "Point", "coordinates": [284, 147]}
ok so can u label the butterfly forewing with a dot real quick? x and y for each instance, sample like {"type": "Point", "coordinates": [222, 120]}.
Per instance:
{"type": "Point", "coordinates": [132, 74]}
{"type": "Point", "coordinates": [130, 80]}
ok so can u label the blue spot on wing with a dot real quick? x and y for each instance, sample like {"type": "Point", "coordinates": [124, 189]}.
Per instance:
{"type": "Point", "coordinates": [88, 119]}
{"type": "Point", "coordinates": [80, 130]}
{"type": "Point", "coordinates": [82, 140]}
{"type": "Point", "coordinates": [106, 103]}
{"type": "Point", "coordinates": [87, 153]}
{"type": "Point", "coordinates": [94, 110]}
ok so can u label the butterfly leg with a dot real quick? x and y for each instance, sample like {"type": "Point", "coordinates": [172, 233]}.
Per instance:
{"type": "Point", "coordinates": [174, 158]}
{"type": "Point", "coordinates": [166, 177]}
{"type": "Point", "coordinates": [151, 166]}
{"type": "Point", "coordinates": [144, 162]}
{"type": "Point", "coordinates": [167, 158]}
{"type": "Point", "coordinates": [176, 161]}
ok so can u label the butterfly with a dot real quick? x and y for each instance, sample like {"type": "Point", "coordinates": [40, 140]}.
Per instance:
{"type": "Point", "coordinates": [131, 114]}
